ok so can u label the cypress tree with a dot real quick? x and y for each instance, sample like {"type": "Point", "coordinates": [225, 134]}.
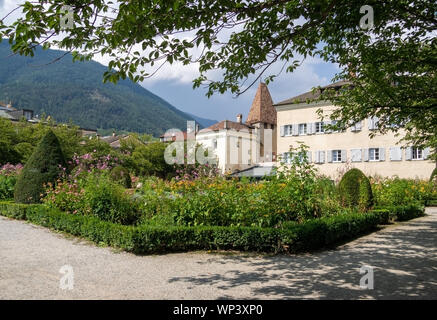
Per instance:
{"type": "Point", "coordinates": [42, 167]}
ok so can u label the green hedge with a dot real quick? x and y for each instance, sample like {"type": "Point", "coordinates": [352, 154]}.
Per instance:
{"type": "Point", "coordinates": [431, 203]}
{"type": "Point", "coordinates": [292, 237]}
{"type": "Point", "coordinates": [404, 213]}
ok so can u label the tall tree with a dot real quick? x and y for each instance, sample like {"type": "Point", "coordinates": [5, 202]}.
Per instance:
{"type": "Point", "coordinates": [386, 49]}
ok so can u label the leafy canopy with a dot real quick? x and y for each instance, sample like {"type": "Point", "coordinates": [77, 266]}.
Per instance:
{"type": "Point", "coordinates": [391, 63]}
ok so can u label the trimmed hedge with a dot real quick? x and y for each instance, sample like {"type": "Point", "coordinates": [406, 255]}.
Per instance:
{"type": "Point", "coordinates": [355, 190]}
{"type": "Point", "coordinates": [404, 213]}
{"type": "Point", "coordinates": [293, 237]}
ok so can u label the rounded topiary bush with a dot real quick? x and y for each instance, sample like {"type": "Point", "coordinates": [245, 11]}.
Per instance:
{"type": "Point", "coordinates": [355, 190]}
{"type": "Point", "coordinates": [43, 166]}
{"type": "Point", "coordinates": [121, 175]}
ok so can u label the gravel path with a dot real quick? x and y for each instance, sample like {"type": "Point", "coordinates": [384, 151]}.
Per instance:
{"type": "Point", "coordinates": [404, 258]}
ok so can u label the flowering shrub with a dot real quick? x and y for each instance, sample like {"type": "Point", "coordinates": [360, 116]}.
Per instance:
{"type": "Point", "coordinates": [90, 162]}
{"type": "Point", "coordinates": [96, 195]}
{"type": "Point", "coordinates": [295, 194]}
{"type": "Point", "coordinates": [396, 191]}
{"type": "Point", "coordinates": [8, 178]}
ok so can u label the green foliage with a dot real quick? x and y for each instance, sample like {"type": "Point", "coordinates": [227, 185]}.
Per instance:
{"type": "Point", "coordinates": [121, 175]}
{"type": "Point", "coordinates": [405, 212]}
{"type": "Point", "coordinates": [311, 235]}
{"type": "Point", "coordinates": [355, 190]}
{"type": "Point", "coordinates": [44, 166]}
{"type": "Point", "coordinates": [7, 184]}
{"type": "Point", "coordinates": [149, 160]}
{"type": "Point", "coordinates": [396, 191]}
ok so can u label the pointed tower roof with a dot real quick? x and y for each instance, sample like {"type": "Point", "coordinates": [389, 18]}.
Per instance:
{"type": "Point", "coordinates": [262, 109]}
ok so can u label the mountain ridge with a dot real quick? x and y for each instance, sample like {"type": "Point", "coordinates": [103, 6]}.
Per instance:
{"type": "Point", "coordinates": [75, 92]}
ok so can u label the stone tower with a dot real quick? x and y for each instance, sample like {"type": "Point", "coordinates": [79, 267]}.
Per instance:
{"type": "Point", "coordinates": [262, 116]}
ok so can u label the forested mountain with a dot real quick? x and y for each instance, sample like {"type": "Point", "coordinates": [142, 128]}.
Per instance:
{"type": "Point", "coordinates": [75, 91]}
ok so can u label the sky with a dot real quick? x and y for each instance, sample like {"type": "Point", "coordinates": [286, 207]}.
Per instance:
{"type": "Point", "coordinates": [174, 84]}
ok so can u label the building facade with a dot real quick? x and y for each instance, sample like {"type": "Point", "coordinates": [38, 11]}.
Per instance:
{"type": "Point", "coordinates": [239, 145]}
{"type": "Point", "coordinates": [331, 151]}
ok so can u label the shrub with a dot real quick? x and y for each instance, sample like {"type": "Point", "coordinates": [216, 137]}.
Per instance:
{"type": "Point", "coordinates": [396, 191]}
{"type": "Point", "coordinates": [355, 190]}
{"type": "Point", "coordinates": [7, 184]}
{"type": "Point", "coordinates": [121, 175]}
{"type": "Point", "coordinates": [292, 237]}
{"type": "Point", "coordinates": [43, 166]}
{"type": "Point", "coordinates": [108, 201]}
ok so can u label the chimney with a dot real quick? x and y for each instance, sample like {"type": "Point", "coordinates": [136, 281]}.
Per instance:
{"type": "Point", "coordinates": [225, 126]}
{"type": "Point", "coordinates": [239, 118]}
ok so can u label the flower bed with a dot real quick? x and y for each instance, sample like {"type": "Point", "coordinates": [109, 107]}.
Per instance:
{"type": "Point", "coordinates": [292, 237]}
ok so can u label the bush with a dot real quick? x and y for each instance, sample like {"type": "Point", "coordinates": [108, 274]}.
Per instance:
{"type": "Point", "coordinates": [404, 213]}
{"type": "Point", "coordinates": [355, 190]}
{"type": "Point", "coordinates": [401, 192]}
{"type": "Point", "coordinates": [293, 237]}
{"type": "Point", "coordinates": [43, 166]}
{"type": "Point", "coordinates": [108, 201]}
{"type": "Point", "coordinates": [7, 184]}
{"type": "Point", "coordinates": [121, 175]}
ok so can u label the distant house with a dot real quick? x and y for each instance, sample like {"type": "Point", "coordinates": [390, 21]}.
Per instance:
{"type": "Point", "coordinates": [7, 111]}
{"type": "Point", "coordinates": [240, 146]}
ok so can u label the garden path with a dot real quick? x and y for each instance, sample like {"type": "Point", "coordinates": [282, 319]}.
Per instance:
{"type": "Point", "coordinates": [404, 258]}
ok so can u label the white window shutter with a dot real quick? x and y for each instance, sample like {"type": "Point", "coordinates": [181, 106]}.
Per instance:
{"type": "Point", "coordinates": [358, 126]}
{"type": "Point", "coordinates": [295, 129]}
{"type": "Point", "coordinates": [381, 154]}
{"type": "Point", "coordinates": [408, 153]}
{"type": "Point", "coordinates": [371, 123]}
{"type": "Point", "coordinates": [426, 153]}
{"type": "Point", "coordinates": [329, 155]}
{"type": "Point", "coordinates": [343, 155]}
{"type": "Point", "coordinates": [282, 131]}
{"type": "Point", "coordinates": [322, 156]}
{"type": "Point", "coordinates": [309, 154]}
{"type": "Point", "coordinates": [395, 154]}
{"type": "Point", "coordinates": [356, 155]}
{"type": "Point", "coordinates": [366, 154]}
{"type": "Point", "coordinates": [313, 127]}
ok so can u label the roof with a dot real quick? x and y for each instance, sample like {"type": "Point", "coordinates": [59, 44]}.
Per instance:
{"type": "Point", "coordinates": [172, 135]}
{"type": "Point", "coordinates": [262, 109]}
{"type": "Point", "coordinates": [227, 124]}
{"type": "Point", "coordinates": [313, 94]}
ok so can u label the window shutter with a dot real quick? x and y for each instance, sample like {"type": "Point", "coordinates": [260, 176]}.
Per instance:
{"type": "Point", "coordinates": [322, 156]}
{"type": "Point", "coordinates": [408, 153]}
{"type": "Point", "coordinates": [343, 155]}
{"type": "Point", "coordinates": [329, 155]}
{"type": "Point", "coordinates": [426, 153]}
{"type": "Point", "coordinates": [313, 127]}
{"type": "Point", "coordinates": [358, 126]}
{"type": "Point", "coordinates": [381, 154]}
{"type": "Point", "coordinates": [309, 128]}
{"type": "Point", "coordinates": [366, 154]}
{"type": "Point", "coordinates": [395, 154]}
{"type": "Point", "coordinates": [371, 123]}
{"type": "Point", "coordinates": [356, 155]}
{"type": "Point", "coordinates": [295, 129]}
{"type": "Point", "coordinates": [282, 131]}
{"type": "Point", "coordinates": [309, 154]}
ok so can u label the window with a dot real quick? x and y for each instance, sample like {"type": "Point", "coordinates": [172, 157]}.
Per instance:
{"type": "Point", "coordinates": [417, 153]}
{"type": "Point", "coordinates": [288, 130]}
{"type": "Point", "coordinates": [336, 156]}
{"type": "Point", "coordinates": [319, 127]}
{"type": "Point", "coordinates": [374, 154]}
{"type": "Point", "coordinates": [302, 128]}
